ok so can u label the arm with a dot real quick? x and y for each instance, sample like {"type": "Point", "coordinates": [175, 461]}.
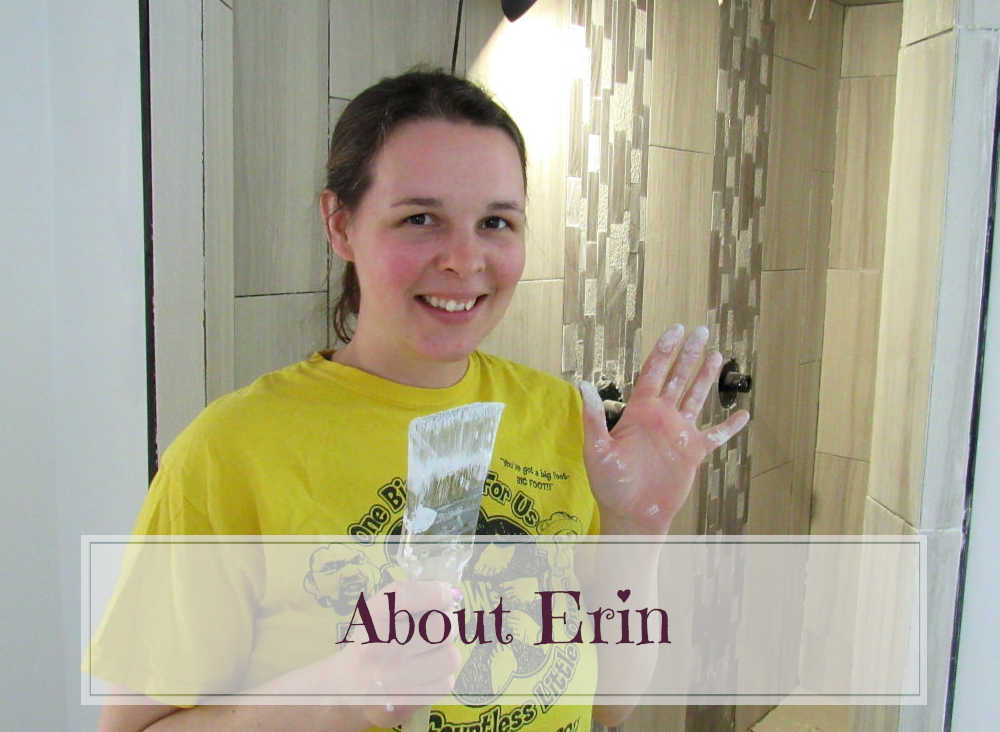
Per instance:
{"type": "Point", "coordinates": [642, 471]}
{"type": "Point", "coordinates": [376, 669]}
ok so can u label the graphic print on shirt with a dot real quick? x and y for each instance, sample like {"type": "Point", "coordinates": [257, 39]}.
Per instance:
{"type": "Point", "coordinates": [338, 574]}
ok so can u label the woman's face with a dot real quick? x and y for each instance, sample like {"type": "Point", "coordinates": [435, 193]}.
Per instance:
{"type": "Point", "coordinates": [438, 245]}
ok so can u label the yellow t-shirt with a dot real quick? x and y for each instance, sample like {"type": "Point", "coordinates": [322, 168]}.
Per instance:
{"type": "Point", "coordinates": [319, 448]}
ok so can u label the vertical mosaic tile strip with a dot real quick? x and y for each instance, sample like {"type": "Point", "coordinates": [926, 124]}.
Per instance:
{"type": "Point", "coordinates": [606, 190]}
{"type": "Point", "coordinates": [739, 183]}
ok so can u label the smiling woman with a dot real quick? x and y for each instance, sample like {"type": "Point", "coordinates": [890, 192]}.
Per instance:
{"type": "Point", "coordinates": [439, 236]}
{"type": "Point", "coordinates": [425, 201]}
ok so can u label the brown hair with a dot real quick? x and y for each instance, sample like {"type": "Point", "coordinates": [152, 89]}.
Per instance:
{"type": "Point", "coordinates": [370, 118]}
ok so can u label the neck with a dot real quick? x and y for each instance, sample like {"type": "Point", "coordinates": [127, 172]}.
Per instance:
{"type": "Point", "coordinates": [424, 374]}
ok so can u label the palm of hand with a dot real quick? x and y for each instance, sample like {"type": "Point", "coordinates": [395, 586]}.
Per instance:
{"type": "Point", "coordinates": [641, 473]}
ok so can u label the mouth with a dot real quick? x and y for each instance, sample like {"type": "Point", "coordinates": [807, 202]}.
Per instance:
{"type": "Point", "coordinates": [458, 305]}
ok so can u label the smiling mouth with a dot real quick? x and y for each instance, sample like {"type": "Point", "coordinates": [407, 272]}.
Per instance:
{"type": "Point", "coordinates": [451, 306]}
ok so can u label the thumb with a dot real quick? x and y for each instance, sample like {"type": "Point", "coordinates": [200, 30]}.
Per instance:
{"type": "Point", "coordinates": [595, 427]}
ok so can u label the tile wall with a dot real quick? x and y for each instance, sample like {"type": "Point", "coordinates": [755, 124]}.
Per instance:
{"type": "Point", "coordinates": [854, 277]}
{"type": "Point", "coordinates": [279, 251]}
{"type": "Point", "coordinates": [794, 261]}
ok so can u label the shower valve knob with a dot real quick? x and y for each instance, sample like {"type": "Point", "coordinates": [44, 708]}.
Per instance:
{"type": "Point", "coordinates": [732, 382]}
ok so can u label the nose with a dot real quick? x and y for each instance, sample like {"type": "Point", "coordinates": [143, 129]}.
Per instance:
{"type": "Point", "coordinates": [462, 253]}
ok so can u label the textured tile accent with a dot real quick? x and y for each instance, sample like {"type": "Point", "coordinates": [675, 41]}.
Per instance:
{"type": "Point", "coordinates": [607, 154]}
{"type": "Point", "coordinates": [739, 184]}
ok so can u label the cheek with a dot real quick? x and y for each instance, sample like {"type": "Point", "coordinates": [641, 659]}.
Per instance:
{"type": "Point", "coordinates": [510, 267]}
{"type": "Point", "coordinates": [390, 270]}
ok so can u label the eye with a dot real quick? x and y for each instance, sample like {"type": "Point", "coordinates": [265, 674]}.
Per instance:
{"type": "Point", "coordinates": [420, 219]}
{"type": "Point", "coordinates": [495, 222]}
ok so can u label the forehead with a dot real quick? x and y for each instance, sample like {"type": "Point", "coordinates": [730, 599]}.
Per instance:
{"type": "Point", "coordinates": [435, 153]}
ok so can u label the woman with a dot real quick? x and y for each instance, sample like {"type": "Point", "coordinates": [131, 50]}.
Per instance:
{"type": "Point", "coordinates": [425, 202]}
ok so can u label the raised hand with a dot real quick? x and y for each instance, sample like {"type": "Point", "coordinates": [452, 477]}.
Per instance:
{"type": "Point", "coordinates": [642, 471]}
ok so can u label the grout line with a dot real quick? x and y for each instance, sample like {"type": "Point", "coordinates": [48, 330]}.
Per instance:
{"type": "Point", "coordinates": [799, 63]}
{"type": "Point", "coordinates": [280, 294]}
{"type": "Point", "coordinates": [843, 457]}
{"type": "Point", "coordinates": [930, 38]}
{"type": "Point", "coordinates": [771, 470]}
{"type": "Point", "coordinates": [889, 510]}
{"type": "Point", "coordinates": [868, 76]}
{"type": "Point", "coordinates": [680, 149]}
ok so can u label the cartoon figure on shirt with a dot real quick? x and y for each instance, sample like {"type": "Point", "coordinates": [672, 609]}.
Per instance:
{"type": "Point", "coordinates": [514, 570]}
{"type": "Point", "coordinates": [338, 574]}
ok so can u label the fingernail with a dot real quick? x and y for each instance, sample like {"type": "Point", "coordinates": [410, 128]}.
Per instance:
{"type": "Point", "coordinates": [669, 339]}
{"type": "Point", "coordinates": [591, 399]}
{"type": "Point", "coordinates": [700, 333]}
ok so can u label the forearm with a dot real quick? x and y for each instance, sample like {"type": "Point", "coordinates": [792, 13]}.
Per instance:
{"type": "Point", "coordinates": [226, 718]}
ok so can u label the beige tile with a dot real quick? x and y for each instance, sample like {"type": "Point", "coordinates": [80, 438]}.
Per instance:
{"type": "Point", "coordinates": [861, 181]}
{"type": "Point", "coordinates": [912, 253]}
{"type": "Point", "coordinates": [880, 520]}
{"type": "Point", "coordinates": [675, 280]}
{"type": "Point", "coordinates": [830, 17]}
{"type": "Point", "coordinates": [849, 342]}
{"type": "Point", "coordinates": [796, 38]}
{"type": "Point", "coordinates": [871, 39]}
{"type": "Point", "coordinates": [745, 717]}
{"type": "Point", "coordinates": [218, 135]}
{"type": "Point", "coordinates": [770, 499]}
{"type": "Point", "coordinates": [925, 18]}
{"type": "Point", "coordinates": [370, 39]}
{"type": "Point", "coordinates": [531, 331]}
{"type": "Point", "coordinates": [685, 75]}
{"type": "Point", "coordinates": [510, 54]}
{"type": "Point", "coordinates": [644, 719]}
{"type": "Point", "coordinates": [772, 429]}
{"type": "Point", "coordinates": [825, 146]}
{"type": "Point", "coordinates": [281, 117]}
{"type": "Point", "coordinates": [806, 413]}
{"type": "Point", "coordinates": [874, 719]}
{"type": "Point", "coordinates": [805, 719]}
{"type": "Point", "coordinates": [793, 131]}
{"type": "Point", "coordinates": [817, 258]}
{"type": "Point", "coordinates": [277, 330]}
{"type": "Point", "coordinates": [838, 495]}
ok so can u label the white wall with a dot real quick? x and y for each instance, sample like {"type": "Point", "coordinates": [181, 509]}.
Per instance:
{"type": "Point", "coordinates": [72, 372]}
{"type": "Point", "coordinates": [979, 644]}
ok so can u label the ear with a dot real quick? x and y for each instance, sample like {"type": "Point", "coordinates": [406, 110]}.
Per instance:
{"type": "Point", "coordinates": [336, 221]}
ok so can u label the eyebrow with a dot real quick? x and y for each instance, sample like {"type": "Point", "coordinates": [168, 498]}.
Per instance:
{"type": "Point", "coordinates": [437, 203]}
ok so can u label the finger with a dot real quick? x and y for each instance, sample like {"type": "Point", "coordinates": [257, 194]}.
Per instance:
{"type": "Point", "coordinates": [685, 363]}
{"type": "Point", "coordinates": [722, 433]}
{"type": "Point", "coordinates": [698, 392]}
{"type": "Point", "coordinates": [595, 426]}
{"type": "Point", "coordinates": [657, 365]}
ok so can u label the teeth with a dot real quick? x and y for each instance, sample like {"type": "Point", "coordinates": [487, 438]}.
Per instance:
{"type": "Point", "coordinates": [450, 305]}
